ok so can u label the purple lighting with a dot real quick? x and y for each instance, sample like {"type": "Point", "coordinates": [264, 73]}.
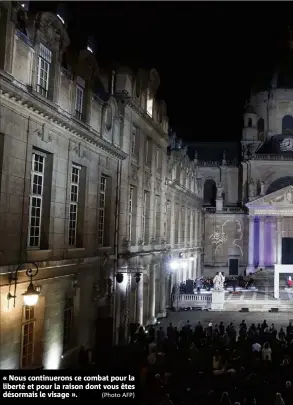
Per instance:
{"type": "Point", "coordinates": [256, 241]}
{"type": "Point", "coordinates": [268, 242]}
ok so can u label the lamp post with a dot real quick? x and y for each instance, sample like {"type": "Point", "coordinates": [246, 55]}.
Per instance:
{"type": "Point", "coordinates": [136, 273]}
{"type": "Point", "coordinates": [31, 296]}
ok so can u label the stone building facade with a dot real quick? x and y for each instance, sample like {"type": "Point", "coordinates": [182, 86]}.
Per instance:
{"type": "Point", "coordinates": [247, 194]}
{"type": "Point", "coordinates": [87, 191]}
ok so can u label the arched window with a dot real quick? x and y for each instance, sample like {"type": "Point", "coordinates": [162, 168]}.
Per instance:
{"type": "Point", "coordinates": [279, 184]}
{"type": "Point", "coordinates": [287, 124]}
{"type": "Point", "coordinates": [249, 122]}
{"type": "Point", "coordinates": [210, 192]}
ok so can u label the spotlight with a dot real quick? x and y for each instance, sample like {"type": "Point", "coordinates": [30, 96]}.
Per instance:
{"type": "Point", "coordinates": [180, 255]}
{"type": "Point", "coordinates": [174, 265]}
{"type": "Point", "coordinates": [119, 278]}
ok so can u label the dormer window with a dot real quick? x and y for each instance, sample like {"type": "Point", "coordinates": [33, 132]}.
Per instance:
{"type": "Point", "coordinates": [44, 64]}
{"type": "Point", "coordinates": [150, 103]}
{"type": "Point", "coordinates": [80, 85]}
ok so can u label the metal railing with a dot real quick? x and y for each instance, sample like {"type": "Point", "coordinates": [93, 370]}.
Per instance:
{"type": "Point", "coordinates": [273, 157]}
{"type": "Point", "coordinates": [227, 210]}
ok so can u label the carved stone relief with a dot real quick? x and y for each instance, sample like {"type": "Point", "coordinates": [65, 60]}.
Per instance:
{"type": "Point", "coordinates": [286, 198]}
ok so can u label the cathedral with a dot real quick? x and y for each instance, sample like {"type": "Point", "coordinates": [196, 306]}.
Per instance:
{"type": "Point", "coordinates": [248, 186]}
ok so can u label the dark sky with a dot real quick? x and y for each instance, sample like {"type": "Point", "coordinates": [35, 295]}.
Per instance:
{"type": "Point", "coordinates": [208, 54]}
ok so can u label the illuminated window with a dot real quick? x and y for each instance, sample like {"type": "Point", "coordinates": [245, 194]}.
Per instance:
{"type": "Point", "coordinates": [67, 323]}
{"type": "Point", "coordinates": [130, 211]}
{"type": "Point", "coordinates": [36, 200]}
{"type": "Point", "coordinates": [101, 230]}
{"type": "Point", "coordinates": [73, 209]}
{"type": "Point", "coordinates": [28, 336]}
{"type": "Point", "coordinates": [43, 75]}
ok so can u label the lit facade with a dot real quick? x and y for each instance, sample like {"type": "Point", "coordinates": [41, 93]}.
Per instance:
{"type": "Point", "coordinates": [247, 188]}
{"type": "Point", "coordinates": [87, 191]}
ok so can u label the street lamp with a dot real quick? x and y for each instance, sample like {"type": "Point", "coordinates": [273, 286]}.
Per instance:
{"type": "Point", "coordinates": [31, 296]}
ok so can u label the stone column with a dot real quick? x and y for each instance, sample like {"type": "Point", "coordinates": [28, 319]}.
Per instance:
{"type": "Point", "coordinates": [162, 302]}
{"type": "Point", "coordinates": [152, 293]}
{"type": "Point", "coordinates": [139, 302]}
{"type": "Point", "coordinates": [261, 260]}
{"type": "Point", "coordinates": [251, 244]}
{"type": "Point", "coordinates": [279, 240]}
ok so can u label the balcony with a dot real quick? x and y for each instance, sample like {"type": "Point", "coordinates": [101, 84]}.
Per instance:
{"type": "Point", "coordinates": [186, 301]}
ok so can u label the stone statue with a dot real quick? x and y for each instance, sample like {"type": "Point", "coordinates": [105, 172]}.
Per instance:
{"type": "Point", "coordinates": [222, 281]}
{"type": "Point", "coordinates": [262, 188]}
{"type": "Point", "coordinates": [219, 190]}
{"type": "Point", "coordinates": [251, 188]}
{"type": "Point", "coordinates": [217, 282]}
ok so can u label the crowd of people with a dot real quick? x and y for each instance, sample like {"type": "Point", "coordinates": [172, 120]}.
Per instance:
{"type": "Point", "coordinates": [215, 365]}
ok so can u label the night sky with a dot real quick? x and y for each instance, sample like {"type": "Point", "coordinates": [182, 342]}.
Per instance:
{"type": "Point", "coordinates": [208, 54]}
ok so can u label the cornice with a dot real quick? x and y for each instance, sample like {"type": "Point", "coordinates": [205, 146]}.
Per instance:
{"type": "Point", "coordinates": [45, 108]}
{"type": "Point", "coordinates": [176, 186]}
{"type": "Point", "coordinates": [137, 108]}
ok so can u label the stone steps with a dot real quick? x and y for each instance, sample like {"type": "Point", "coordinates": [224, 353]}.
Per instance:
{"type": "Point", "coordinates": [259, 306]}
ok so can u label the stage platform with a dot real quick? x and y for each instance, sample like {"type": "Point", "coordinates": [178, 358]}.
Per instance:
{"type": "Point", "coordinates": [253, 299]}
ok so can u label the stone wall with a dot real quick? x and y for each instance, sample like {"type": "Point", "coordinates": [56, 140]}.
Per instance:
{"type": "Point", "coordinates": [226, 236]}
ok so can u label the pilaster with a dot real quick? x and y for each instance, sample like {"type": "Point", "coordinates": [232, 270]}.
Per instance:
{"type": "Point", "coordinates": [279, 239]}
{"type": "Point", "coordinates": [261, 241]}
{"type": "Point", "coordinates": [251, 244]}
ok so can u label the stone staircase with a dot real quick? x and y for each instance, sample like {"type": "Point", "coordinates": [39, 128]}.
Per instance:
{"type": "Point", "coordinates": [259, 306]}
{"type": "Point", "coordinates": [265, 279]}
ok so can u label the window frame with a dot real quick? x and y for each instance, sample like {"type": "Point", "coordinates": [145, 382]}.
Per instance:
{"type": "Point", "coordinates": [36, 196]}
{"type": "Point", "coordinates": [79, 101]}
{"type": "Point", "coordinates": [102, 210]}
{"type": "Point", "coordinates": [30, 321]}
{"type": "Point", "coordinates": [73, 205]}
{"type": "Point", "coordinates": [130, 212]}
{"type": "Point", "coordinates": [44, 60]}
